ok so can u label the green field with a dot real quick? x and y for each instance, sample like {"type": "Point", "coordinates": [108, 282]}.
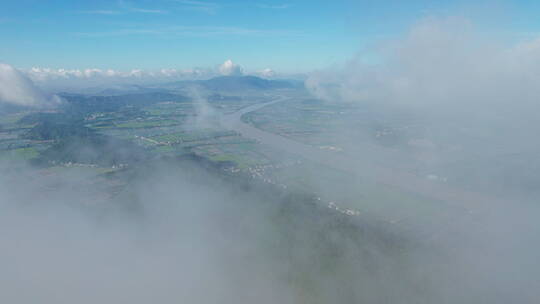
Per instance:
{"type": "Point", "coordinates": [19, 154]}
{"type": "Point", "coordinates": [192, 136]}
{"type": "Point", "coordinates": [147, 124]}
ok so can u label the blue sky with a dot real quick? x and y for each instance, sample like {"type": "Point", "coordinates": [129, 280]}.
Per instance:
{"type": "Point", "coordinates": [288, 35]}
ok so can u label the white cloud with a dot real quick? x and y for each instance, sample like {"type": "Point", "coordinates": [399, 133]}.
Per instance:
{"type": "Point", "coordinates": [266, 73]}
{"type": "Point", "coordinates": [472, 93]}
{"type": "Point", "coordinates": [441, 63]}
{"type": "Point", "coordinates": [16, 88]}
{"type": "Point", "coordinates": [229, 68]}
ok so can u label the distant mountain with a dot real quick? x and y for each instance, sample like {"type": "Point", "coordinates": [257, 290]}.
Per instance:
{"type": "Point", "coordinates": [222, 83]}
{"type": "Point", "coordinates": [238, 83]}
{"type": "Point", "coordinates": [113, 90]}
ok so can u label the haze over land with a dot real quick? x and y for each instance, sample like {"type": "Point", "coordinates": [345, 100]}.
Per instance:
{"type": "Point", "coordinates": [406, 172]}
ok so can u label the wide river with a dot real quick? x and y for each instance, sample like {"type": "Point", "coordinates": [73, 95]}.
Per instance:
{"type": "Point", "coordinates": [365, 168]}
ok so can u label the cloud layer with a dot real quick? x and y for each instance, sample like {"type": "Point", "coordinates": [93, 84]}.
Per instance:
{"type": "Point", "coordinates": [65, 79]}
{"type": "Point", "coordinates": [73, 79]}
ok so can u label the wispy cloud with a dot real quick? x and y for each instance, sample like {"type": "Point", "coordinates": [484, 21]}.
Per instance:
{"type": "Point", "coordinates": [202, 6]}
{"type": "Point", "coordinates": [120, 32]}
{"type": "Point", "coordinates": [148, 11]}
{"type": "Point", "coordinates": [101, 12]}
{"type": "Point", "coordinates": [274, 6]}
{"type": "Point", "coordinates": [193, 31]}
{"type": "Point", "coordinates": [124, 7]}
{"type": "Point", "coordinates": [128, 6]}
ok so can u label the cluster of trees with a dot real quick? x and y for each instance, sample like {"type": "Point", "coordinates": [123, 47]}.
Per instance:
{"type": "Point", "coordinates": [94, 149]}
{"type": "Point", "coordinates": [49, 130]}
{"type": "Point", "coordinates": [76, 143]}
{"type": "Point", "coordinates": [83, 104]}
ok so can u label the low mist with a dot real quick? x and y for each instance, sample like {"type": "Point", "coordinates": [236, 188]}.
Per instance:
{"type": "Point", "coordinates": [178, 232]}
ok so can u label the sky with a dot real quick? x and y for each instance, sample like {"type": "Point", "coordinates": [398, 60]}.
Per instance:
{"type": "Point", "coordinates": [289, 36]}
